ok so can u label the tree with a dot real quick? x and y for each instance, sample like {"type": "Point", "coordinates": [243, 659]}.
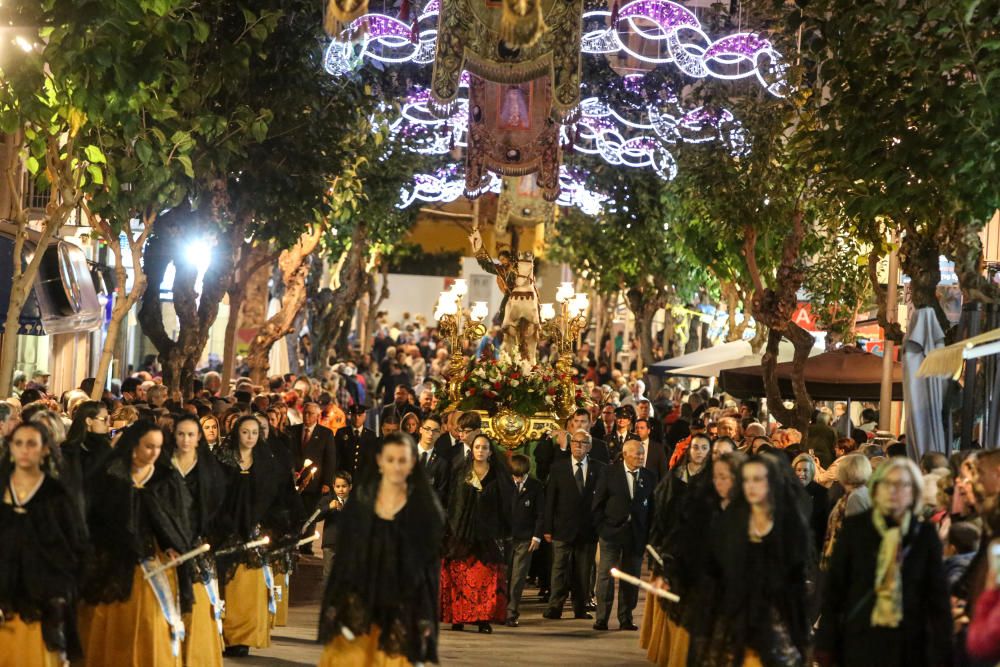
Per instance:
{"type": "Point", "coordinates": [907, 127]}
{"type": "Point", "coordinates": [46, 115]}
{"type": "Point", "coordinates": [632, 248]}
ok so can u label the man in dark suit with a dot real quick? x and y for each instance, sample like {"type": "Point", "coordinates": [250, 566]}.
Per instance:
{"type": "Point", "coordinates": [605, 426]}
{"type": "Point", "coordinates": [644, 410]}
{"type": "Point", "coordinates": [450, 440]}
{"type": "Point", "coordinates": [657, 456]}
{"type": "Point", "coordinates": [622, 510]}
{"type": "Point", "coordinates": [311, 440]}
{"type": "Point", "coordinates": [436, 466]}
{"type": "Point", "coordinates": [569, 525]}
{"type": "Point", "coordinates": [556, 446]}
{"type": "Point", "coordinates": [526, 531]}
{"type": "Point", "coordinates": [467, 427]}
{"type": "Point", "coordinates": [356, 444]}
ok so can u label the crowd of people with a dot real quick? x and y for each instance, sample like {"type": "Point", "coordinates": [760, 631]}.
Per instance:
{"type": "Point", "coordinates": [156, 529]}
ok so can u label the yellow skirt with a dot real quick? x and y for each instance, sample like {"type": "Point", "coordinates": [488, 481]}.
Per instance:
{"type": "Point", "coordinates": [281, 584]}
{"type": "Point", "coordinates": [247, 621]}
{"type": "Point", "coordinates": [666, 643]}
{"type": "Point", "coordinates": [202, 642]}
{"type": "Point", "coordinates": [21, 645]}
{"type": "Point", "coordinates": [132, 633]}
{"type": "Point", "coordinates": [363, 651]}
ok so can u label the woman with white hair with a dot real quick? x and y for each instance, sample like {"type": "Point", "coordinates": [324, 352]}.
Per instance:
{"type": "Point", "coordinates": [885, 599]}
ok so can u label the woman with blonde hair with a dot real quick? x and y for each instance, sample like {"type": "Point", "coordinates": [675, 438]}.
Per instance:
{"type": "Point", "coordinates": [852, 473]}
{"type": "Point", "coordinates": [886, 595]}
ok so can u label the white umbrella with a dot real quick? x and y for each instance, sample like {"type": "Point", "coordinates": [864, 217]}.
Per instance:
{"type": "Point", "coordinates": [786, 352]}
{"type": "Point", "coordinates": [923, 396]}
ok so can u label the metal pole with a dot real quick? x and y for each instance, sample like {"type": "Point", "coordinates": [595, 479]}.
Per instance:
{"type": "Point", "coordinates": [888, 347]}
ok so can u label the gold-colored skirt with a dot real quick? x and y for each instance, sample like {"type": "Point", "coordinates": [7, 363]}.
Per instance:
{"type": "Point", "coordinates": [363, 651]}
{"type": "Point", "coordinates": [132, 633]}
{"type": "Point", "coordinates": [202, 641]}
{"type": "Point", "coordinates": [282, 581]}
{"type": "Point", "coordinates": [666, 643]}
{"type": "Point", "coordinates": [247, 621]}
{"type": "Point", "coordinates": [21, 645]}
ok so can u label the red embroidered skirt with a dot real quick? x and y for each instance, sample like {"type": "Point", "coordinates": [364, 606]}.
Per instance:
{"type": "Point", "coordinates": [472, 591]}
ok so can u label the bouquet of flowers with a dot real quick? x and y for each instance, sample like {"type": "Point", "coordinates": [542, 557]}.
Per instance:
{"type": "Point", "coordinates": [511, 382]}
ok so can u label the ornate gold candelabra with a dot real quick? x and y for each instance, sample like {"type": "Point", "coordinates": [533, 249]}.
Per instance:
{"type": "Point", "coordinates": [563, 329]}
{"type": "Point", "coordinates": [459, 326]}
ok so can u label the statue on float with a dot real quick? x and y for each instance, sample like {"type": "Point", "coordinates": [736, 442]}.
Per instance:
{"type": "Point", "coordinates": [521, 324]}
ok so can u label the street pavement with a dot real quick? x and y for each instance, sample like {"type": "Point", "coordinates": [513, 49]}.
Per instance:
{"type": "Point", "coordinates": [537, 641]}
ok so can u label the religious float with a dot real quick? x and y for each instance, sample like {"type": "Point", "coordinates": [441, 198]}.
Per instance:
{"type": "Point", "coordinates": [518, 397]}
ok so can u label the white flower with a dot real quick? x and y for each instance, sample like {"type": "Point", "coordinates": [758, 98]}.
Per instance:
{"type": "Point", "coordinates": [514, 383]}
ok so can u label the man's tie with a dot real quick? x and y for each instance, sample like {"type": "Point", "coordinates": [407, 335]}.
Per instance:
{"type": "Point", "coordinates": [579, 476]}
{"type": "Point", "coordinates": [424, 456]}
{"type": "Point", "coordinates": [635, 481]}
{"type": "Point", "coordinates": [306, 433]}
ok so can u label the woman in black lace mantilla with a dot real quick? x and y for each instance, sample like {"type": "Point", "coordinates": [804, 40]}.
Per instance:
{"type": "Point", "coordinates": [380, 606]}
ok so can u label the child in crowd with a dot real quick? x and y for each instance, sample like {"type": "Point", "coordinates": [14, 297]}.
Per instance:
{"type": "Point", "coordinates": [331, 505]}
{"type": "Point", "coordinates": [526, 531]}
{"type": "Point", "coordinates": [960, 549]}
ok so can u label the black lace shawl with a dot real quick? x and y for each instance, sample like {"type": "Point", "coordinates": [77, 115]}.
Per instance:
{"type": "Point", "coordinates": [387, 573]}
{"type": "Point", "coordinates": [129, 524]}
{"type": "Point", "coordinates": [259, 501]}
{"type": "Point", "coordinates": [41, 551]}
{"type": "Point", "coordinates": [672, 512]}
{"type": "Point", "coordinates": [206, 484]}
{"type": "Point", "coordinates": [478, 520]}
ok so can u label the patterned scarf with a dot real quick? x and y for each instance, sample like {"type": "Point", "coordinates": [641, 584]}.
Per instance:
{"type": "Point", "coordinates": [888, 609]}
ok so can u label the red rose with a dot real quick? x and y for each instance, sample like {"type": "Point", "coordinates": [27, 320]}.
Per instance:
{"type": "Point", "coordinates": [552, 391]}
{"type": "Point", "coordinates": [515, 376]}
{"type": "Point", "coordinates": [496, 385]}
{"type": "Point", "coordinates": [472, 391]}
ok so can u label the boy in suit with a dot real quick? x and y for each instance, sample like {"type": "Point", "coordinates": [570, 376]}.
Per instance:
{"type": "Point", "coordinates": [526, 531]}
{"type": "Point", "coordinates": [332, 504]}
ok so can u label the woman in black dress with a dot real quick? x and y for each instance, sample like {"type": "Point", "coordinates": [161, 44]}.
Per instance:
{"type": "Point", "coordinates": [41, 548]}
{"type": "Point", "coordinates": [188, 453]}
{"type": "Point", "coordinates": [137, 507]}
{"type": "Point", "coordinates": [756, 610]}
{"type": "Point", "coordinates": [260, 501]}
{"type": "Point", "coordinates": [381, 602]}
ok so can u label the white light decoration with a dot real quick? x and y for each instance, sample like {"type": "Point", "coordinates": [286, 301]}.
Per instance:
{"type": "Point", "coordinates": [546, 312]}
{"type": "Point", "coordinates": [565, 292]}
{"type": "Point", "coordinates": [479, 311]}
{"type": "Point", "coordinates": [582, 302]}
{"type": "Point", "coordinates": [460, 288]}
{"type": "Point", "coordinates": [386, 39]}
{"type": "Point", "coordinates": [447, 305]}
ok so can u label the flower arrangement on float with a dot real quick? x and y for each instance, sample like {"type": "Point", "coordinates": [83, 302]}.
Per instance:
{"type": "Point", "coordinates": [509, 384]}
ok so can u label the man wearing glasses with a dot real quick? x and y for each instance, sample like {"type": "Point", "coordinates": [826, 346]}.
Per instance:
{"type": "Point", "coordinates": [606, 424]}
{"type": "Point", "coordinates": [569, 526]}
{"type": "Point", "coordinates": [435, 466]}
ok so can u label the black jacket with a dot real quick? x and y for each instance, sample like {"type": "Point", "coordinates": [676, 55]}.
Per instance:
{"type": "Point", "coordinates": [546, 453]}
{"type": "Point", "coordinates": [529, 510]}
{"type": "Point", "coordinates": [845, 628]}
{"type": "Point", "coordinates": [355, 454]}
{"type": "Point", "coordinates": [321, 449]}
{"type": "Point", "coordinates": [568, 514]}
{"type": "Point", "coordinates": [438, 469]}
{"type": "Point", "coordinates": [330, 518]}
{"type": "Point", "coordinates": [657, 459]}
{"type": "Point", "coordinates": [621, 519]}
{"type": "Point", "coordinates": [446, 449]}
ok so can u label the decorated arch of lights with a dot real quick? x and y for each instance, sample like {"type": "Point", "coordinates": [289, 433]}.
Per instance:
{"type": "Point", "coordinates": [657, 32]}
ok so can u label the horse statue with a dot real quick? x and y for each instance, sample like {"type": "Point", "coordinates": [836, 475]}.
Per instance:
{"type": "Point", "coordinates": [521, 323]}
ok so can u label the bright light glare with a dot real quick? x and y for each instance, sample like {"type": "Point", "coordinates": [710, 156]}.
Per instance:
{"type": "Point", "coordinates": [24, 44]}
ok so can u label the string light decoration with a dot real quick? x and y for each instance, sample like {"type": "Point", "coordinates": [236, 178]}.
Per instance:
{"type": "Point", "coordinates": [386, 39]}
{"type": "Point", "coordinates": [448, 184]}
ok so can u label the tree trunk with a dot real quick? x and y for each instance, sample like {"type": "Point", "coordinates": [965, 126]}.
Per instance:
{"type": "Point", "coordinates": [123, 302]}
{"type": "Point", "coordinates": [331, 309]}
{"type": "Point", "coordinates": [893, 330]}
{"type": "Point", "coordinates": [374, 303]}
{"type": "Point", "coordinates": [799, 416]}
{"type": "Point", "coordinates": [963, 246]}
{"type": "Point", "coordinates": [919, 258]}
{"type": "Point", "coordinates": [195, 314]}
{"type": "Point", "coordinates": [644, 306]}
{"type": "Point", "coordinates": [236, 296]}
{"type": "Point", "coordinates": [294, 265]}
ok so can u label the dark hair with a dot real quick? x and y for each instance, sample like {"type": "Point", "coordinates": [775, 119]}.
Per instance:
{"type": "Point", "coordinates": [133, 434]}
{"type": "Point", "coordinates": [520, 465]}
{"type": "Point", "coordinates": [30, 396]}
{"type": "Point", "coordinates": [964, 536]}
{"type": "Point", "coordinates": [391, 419]}
{"type": "Point", "coordinates": [896, 449]}
{"type": "Point", "coordinates": [344, 475]}
{"type": "Point", "coordinates": [130, 384]}
{"type": "Point", "coordinates": [582, 412]}
{"type": "Point", "coordinates": [37, 428]}
{"type": "Point", "coordinates": [233, 439]}
{"type": "Point", "coordinates": [725, 438]}
{"type": "Point", "coordinates": [188, 417]}
{"type": "Point", "coordinates": [734, 461]}
{"type": "Point", "coordinates": [931, 461]}
{"type": "Point", "coordinates": [433, 417]}
{"type": "Point", "coordinates": [644, 421]}
{"type": "Point", "coordinates": [398, 438]}
{"type": "Point", "coordinates": [470, 420]}
{"type": "Point", "coordinates": [84, 411]}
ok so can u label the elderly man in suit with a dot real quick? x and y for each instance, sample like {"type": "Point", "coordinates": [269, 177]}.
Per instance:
{"type": "Point", "coordinates": [623, 505]}
{"type": "Point", "coordinates": [569, 525]}
{"type": "Point", "coordinates": [311, 440]}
